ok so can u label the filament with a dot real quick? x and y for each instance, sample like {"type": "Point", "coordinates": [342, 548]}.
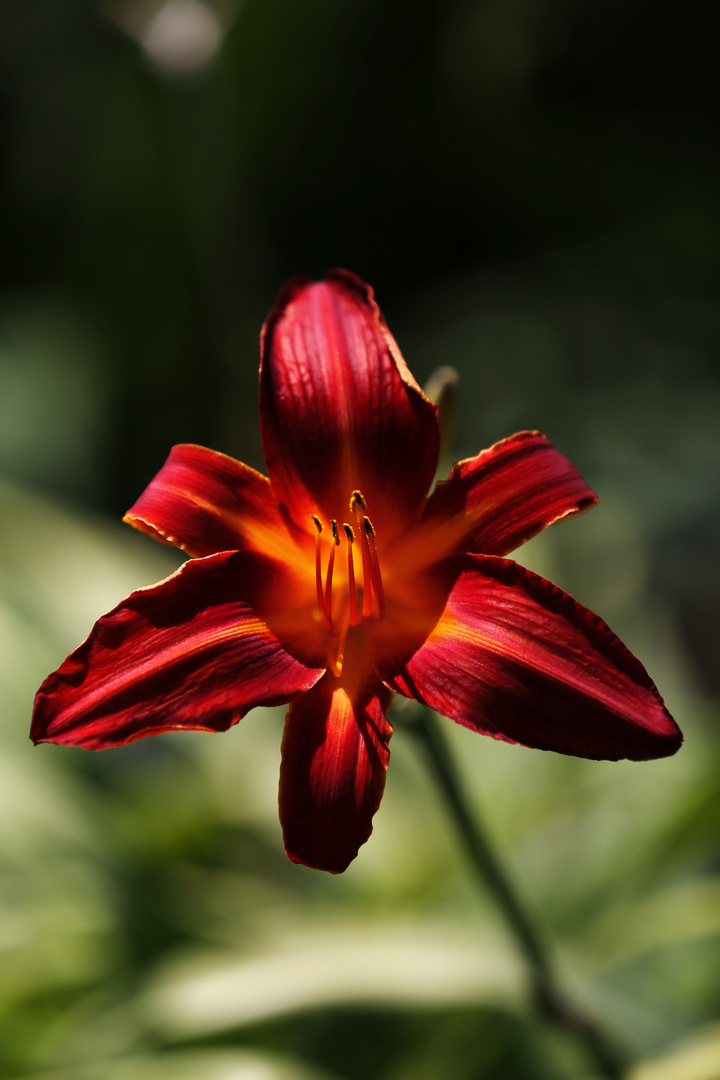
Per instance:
{"type": "Point", "coordinates": [348, 616]}
{"type": "Point", "coordinates": [369, 534]}
{"type": "Point", "coordinates": [354, 620]}
{"type": "Point", "coordinates": [331, 566]}
{"type": "Point", "coordinates": [337, 658]}
{"type": "Point", "coordinates": [318, 575]}
{"type": "Point", "coordinates": [357, 505]}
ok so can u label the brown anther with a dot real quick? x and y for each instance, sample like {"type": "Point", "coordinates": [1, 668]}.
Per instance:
{"type": "Point", "coordinates": [323, 600]}
{"type": "Point", "coordinates": [357, 499]}
{"type": "Point", "coordinates": [330, 568]}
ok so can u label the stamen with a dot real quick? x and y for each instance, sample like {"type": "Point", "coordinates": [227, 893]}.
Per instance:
{"type": "Point", "coordinates": [321, 599]}
{"type": "Point", "coordinates": [331, 565]}
{"type": "Point", "coordinates": [357, 505]}
{"type": "Point", "coordinates": [369, 532]}
{"type": "Point", "coordinates": [351, 575]}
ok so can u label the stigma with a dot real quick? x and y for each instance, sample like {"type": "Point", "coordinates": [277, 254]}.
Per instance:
{"type": "Point", "coordinates": [341, 609]}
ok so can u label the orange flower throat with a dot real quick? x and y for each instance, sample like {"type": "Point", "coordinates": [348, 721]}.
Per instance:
{"type": "Point", "coordinates": [373, 594]}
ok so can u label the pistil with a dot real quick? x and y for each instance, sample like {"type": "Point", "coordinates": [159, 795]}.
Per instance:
{"type": "Point", "coordinates": [354, 620]}
{"type": "Point", "coordinates": [369, 536]}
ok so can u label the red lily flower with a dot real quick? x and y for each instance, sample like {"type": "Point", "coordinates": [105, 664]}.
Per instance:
{"type": "Point", "coordinates": [337, 581]}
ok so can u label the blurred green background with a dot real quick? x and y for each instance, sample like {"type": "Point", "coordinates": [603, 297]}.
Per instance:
{"type": "Point", "coordinates": [533, 188]}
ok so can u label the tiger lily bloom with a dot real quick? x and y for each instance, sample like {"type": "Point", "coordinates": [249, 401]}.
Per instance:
{"type": "Point", "coordinates": [337, 582]}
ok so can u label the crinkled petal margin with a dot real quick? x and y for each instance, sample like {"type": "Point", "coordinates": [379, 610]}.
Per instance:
{"type": "Point", "coordinates": [497, 500]}
{"type": "Point", "coordinates": [516, 658]}
{"type": "Point", "coordinates": [191, 653]}
{"type": "Point", "coordinates": [204, 502]}
{"type": "Point", "coordinates": [339, 408]}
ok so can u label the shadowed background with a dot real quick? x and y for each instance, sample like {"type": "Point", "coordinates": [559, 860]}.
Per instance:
{"type": "Point", "coordinates": [533, 188]}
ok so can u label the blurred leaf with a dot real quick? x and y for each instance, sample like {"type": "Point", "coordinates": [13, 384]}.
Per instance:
{"type": "Point", "coordinates": [406, 965]}
{"type": "Point", "coordinates": [210, 1065]}
{"type": "Point", "coordinates": [697, 1058]}
{"type": "Point", "coordinates": [687, 910]}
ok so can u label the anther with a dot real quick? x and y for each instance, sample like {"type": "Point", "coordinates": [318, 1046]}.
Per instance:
{"type": "Point", "coordinates": [321, 596]}
{"type": "Point", "coordinates": [369, 534]}
{"type": "Point", "coordinates": [358, 505]}
{"type": "Point", "coordinates": [351, 575]}
{"type": "Point", "coordinates": [331, 566]}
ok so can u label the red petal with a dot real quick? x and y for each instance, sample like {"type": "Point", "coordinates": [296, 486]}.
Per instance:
{"type": "Point", "coordinates": [496, 501]}
{"type": "Point", "coordinates": [188, 653]}
{"type": "Point", "coordinates": [204, 502]}
{"type": "Point", "coordinates": [339, 407]}
{"type": "Point", "coordinates": [334, 758]}
{"type": "Point", "coordinates": [517, 658]}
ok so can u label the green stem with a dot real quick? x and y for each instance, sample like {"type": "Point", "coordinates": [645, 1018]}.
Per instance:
{"type": "Point", "coordinates": [549, 997]}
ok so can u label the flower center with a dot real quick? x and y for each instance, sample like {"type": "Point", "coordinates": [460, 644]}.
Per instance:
{"type": "Point", "coordinates": [349, 612]}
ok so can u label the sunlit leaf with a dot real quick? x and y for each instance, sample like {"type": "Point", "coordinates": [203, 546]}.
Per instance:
{"type": "Point", "coordinates": [211, 1065]}
{"type": "Point", "coordinates": [696, 1058]}
{"type": "Point", "coordinates": [406, 965]}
